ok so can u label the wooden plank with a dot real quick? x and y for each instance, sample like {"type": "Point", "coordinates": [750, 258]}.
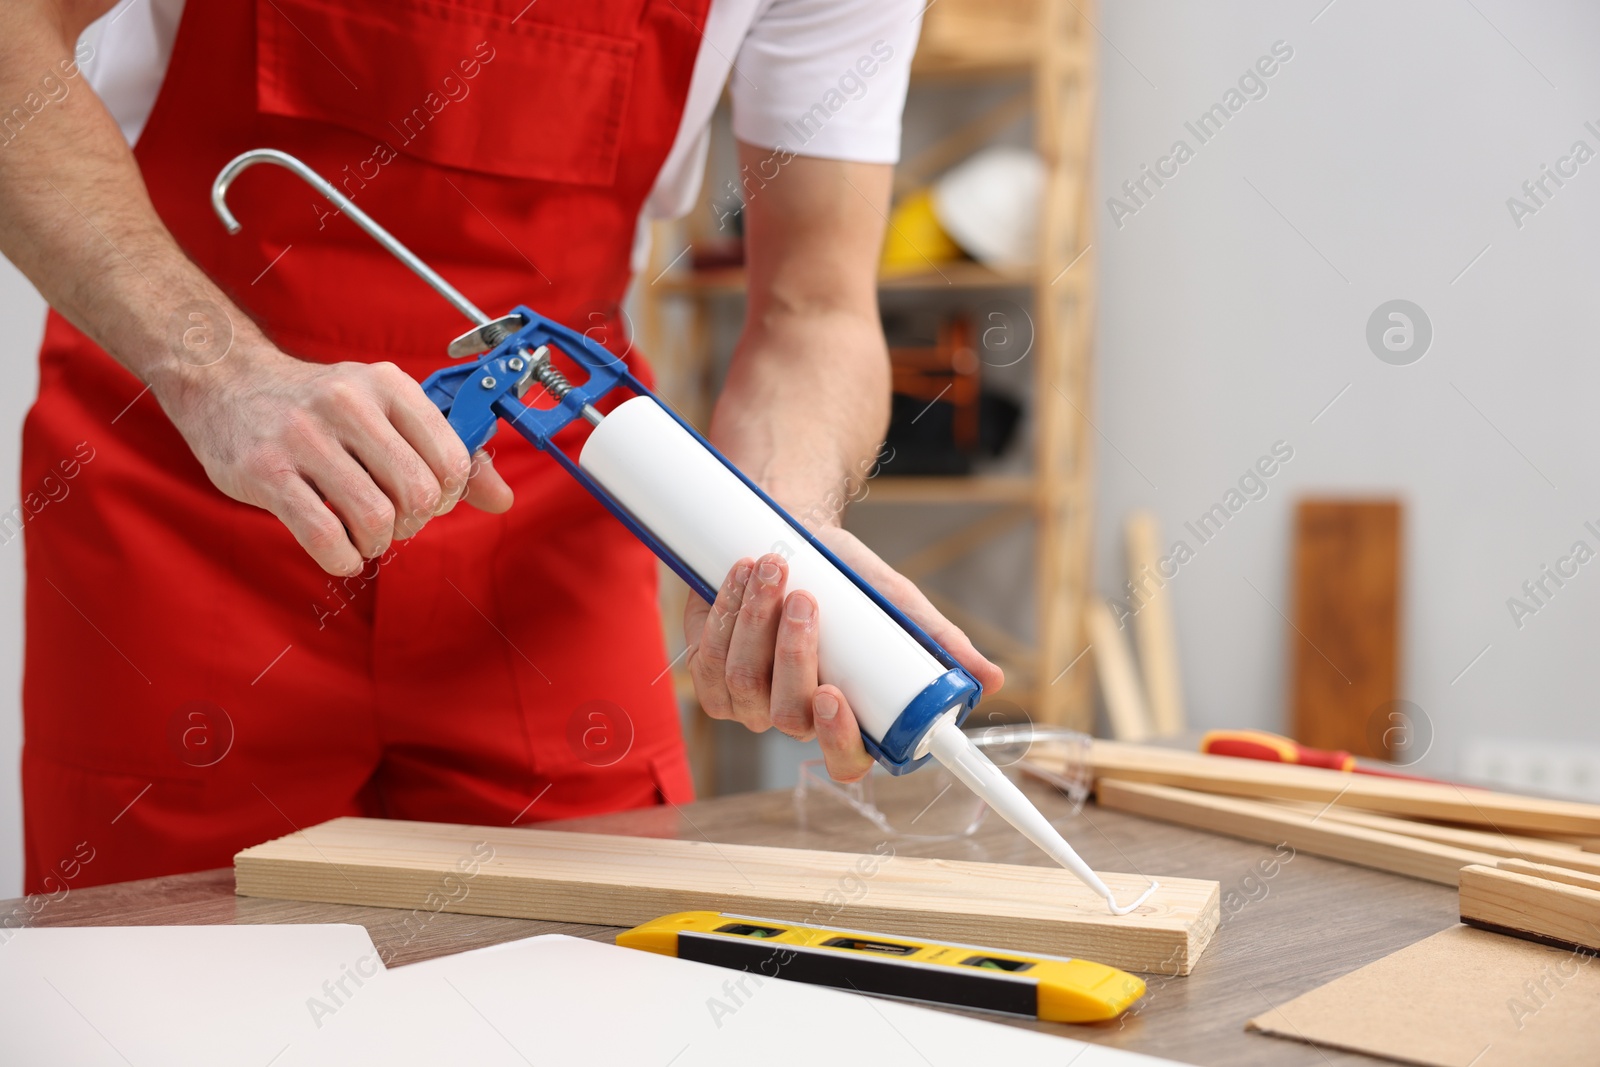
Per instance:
{"type": "Point", "coordinates": [1578, 841]}
{"type": "Point", "coordinates": [1271, 824]}
{"type": "Point", "coordinates": [952, 147]}
{"type": "Point", "coordinates": [959, 276]}
{"type": "Point", "coordinates": [1391, 796]}
{"type": "Point", "coordinates": [955, 489]}
{"type": "Point", "coordinates": [612, 880]}
{"type": "Point", "coordinates": [1064, 279]}
{"type": "Point", "coordinates": [1536, 908]}
{"type": "Point", "coordinates": [989, 35]}
{"type": "Point", "coordinates": [1119, 681]}
{"type": "Point", "coordinates": [1550, 872]}
{"type": "Point", "coordinates": [1153, 627]}
{"type": "Point", "coordinates": [1509, 845]}
{"type": "Point", "coordinates": [985, 634]}
{"type": "Point", "coordinates": [1345, 663]}
{"type": "Point", "coordinates": [961, 543]}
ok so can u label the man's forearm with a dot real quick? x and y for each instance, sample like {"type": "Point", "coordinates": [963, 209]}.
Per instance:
{"type": "Point", "coordinates": [74, 214]}
{"type": "Point", "coordinates": [806, 406]}
{"type": "Point", "coordinates": [806, 403]}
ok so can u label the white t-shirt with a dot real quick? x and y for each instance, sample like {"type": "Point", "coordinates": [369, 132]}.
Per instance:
{"type": "Point", "coordinates": [823, 78]}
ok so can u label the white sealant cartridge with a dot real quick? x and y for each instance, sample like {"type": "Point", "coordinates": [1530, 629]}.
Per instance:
{"type": "Point", "coordinates": [903, 697]}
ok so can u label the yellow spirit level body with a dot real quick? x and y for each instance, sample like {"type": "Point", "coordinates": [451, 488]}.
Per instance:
{"type": "Point", "coordinates": [1052, 988]}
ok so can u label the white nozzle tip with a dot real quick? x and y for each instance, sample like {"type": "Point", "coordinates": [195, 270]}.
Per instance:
{"type": "Point", "coordinates": [955, 750]}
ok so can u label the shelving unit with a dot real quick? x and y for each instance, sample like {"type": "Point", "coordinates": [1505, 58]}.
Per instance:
{"type": "Point", "coordinates": [962, 275]}
{"type": "Point", "coordinates": [1044, 48]}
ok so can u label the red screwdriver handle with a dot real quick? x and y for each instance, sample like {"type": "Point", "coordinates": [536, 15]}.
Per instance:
{"type": "Point", "coordinates": [1261, 745]}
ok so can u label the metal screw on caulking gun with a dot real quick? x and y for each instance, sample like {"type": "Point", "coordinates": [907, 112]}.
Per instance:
{"type": "Point", "coordinates": [488, 381]}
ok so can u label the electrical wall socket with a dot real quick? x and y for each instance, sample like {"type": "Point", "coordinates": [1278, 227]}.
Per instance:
{"type": "Point", "coordinates": [1554, 769]}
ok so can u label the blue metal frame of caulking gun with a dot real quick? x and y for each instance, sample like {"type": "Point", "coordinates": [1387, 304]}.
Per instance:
{"type": "Point", "coordinates": [476, 396]}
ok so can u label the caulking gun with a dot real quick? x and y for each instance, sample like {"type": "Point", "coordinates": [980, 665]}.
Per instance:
{"type": "Point", "coordinates": [909, 695]}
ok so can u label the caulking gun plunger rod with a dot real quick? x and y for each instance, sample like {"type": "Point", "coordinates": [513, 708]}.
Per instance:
{"type": "Point", "coordinates": [943, 740]}
{"type": "Point", "coordinates": [490, 331]}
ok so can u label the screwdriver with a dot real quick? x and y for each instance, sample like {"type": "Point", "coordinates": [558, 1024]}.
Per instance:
{"type": "Point", "coordinates": [1275, 748]}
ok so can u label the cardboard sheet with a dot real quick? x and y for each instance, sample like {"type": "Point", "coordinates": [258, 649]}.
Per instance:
{"type": "Point", "coordinates": [173, 995]}
{"type": "Point", "coordinates": [1461, 997]}
{"type": "Point", "coordinates": [563, 1000]}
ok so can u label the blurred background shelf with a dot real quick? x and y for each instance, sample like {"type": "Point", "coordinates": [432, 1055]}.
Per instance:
{"type": "Point", "coordinates": [996, 38]}
{"type": "Point", "coordinates": [967, 489]}
{"type": "Point", "coordinates": [730, 281]}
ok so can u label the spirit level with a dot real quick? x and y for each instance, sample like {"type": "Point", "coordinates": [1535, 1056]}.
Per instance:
{"type": "Point", "coordinates": [1052, 988]}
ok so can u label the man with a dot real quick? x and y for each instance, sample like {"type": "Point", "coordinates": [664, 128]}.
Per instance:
{"type": "Point", "coordinates": [193, 681]}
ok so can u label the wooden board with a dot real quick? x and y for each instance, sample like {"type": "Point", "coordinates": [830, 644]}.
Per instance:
{"type": "Point", "coordinates": [623, 881]}
{"type": "Point", "coordinates": [1578, 841]}
{"type": "Point", "coordinates": [1581, 842]}
{"type": "Point", "coordinates": [1551, 872]}
{"type": "Point", "coordinates": [977, 33]}
{"type": "Point", "coordinates": [1153, 627]}
{"type": "Point", "coordinates": [1525, 848]}
{"type": "Point", "coordinates": [1542, 909]}
{"type": "Point", "coordinates": [1461, 998]}
{"type": "Point", "coordinates": [1393, 796]}
{"type": "Point", "coordinates": [1271, 824]}
{"type": "Point", "coordinates": [1345, 646]}
{"type": "Point", "coordinates": [1126, 710]}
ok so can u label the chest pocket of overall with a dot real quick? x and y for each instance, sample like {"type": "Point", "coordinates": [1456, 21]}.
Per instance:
{"type": "Point", "coordinates": [456, 84]}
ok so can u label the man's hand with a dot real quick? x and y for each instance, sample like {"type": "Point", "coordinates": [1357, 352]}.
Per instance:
{"type": "Point", "coordinates": [804, 407]}
{"type": "Point", "coordinates": [753, 653]}
{"type": "Point", "coordinates": [351, 457]}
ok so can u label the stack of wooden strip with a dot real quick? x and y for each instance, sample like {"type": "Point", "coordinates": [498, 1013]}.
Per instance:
{"type": "Point", "coordinates": [1424, 830]}
{"type": "Point", "coordinates": [1542, 902]}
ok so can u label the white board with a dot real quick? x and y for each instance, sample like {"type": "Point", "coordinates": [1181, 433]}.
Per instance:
{"type": "Point", "coordinates": [272, 995]}
{"type": "Point", "coordinates": [173, 995]}
{"type": "Point", "coordinates": [563, 1000]}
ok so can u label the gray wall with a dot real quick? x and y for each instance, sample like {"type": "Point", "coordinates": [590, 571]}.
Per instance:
{"type": "Point", "coordinates": [21, 326]}
{"type": "Point", "coordinates": [1377, 166]}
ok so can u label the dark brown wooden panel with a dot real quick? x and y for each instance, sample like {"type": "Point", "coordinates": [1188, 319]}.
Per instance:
{"type": "Point", "coordinates": [1345, 653]}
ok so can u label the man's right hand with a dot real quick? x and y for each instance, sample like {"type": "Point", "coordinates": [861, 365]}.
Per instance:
{"type": "Point", "coordinates": [351, 457]}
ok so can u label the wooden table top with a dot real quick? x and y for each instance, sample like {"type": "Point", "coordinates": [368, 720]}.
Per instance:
{"type": "Point", "coordinates": [1309, 921]}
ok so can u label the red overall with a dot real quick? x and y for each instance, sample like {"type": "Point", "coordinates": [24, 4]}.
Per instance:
{"type": "Point", "coordinates": [193, 682]}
